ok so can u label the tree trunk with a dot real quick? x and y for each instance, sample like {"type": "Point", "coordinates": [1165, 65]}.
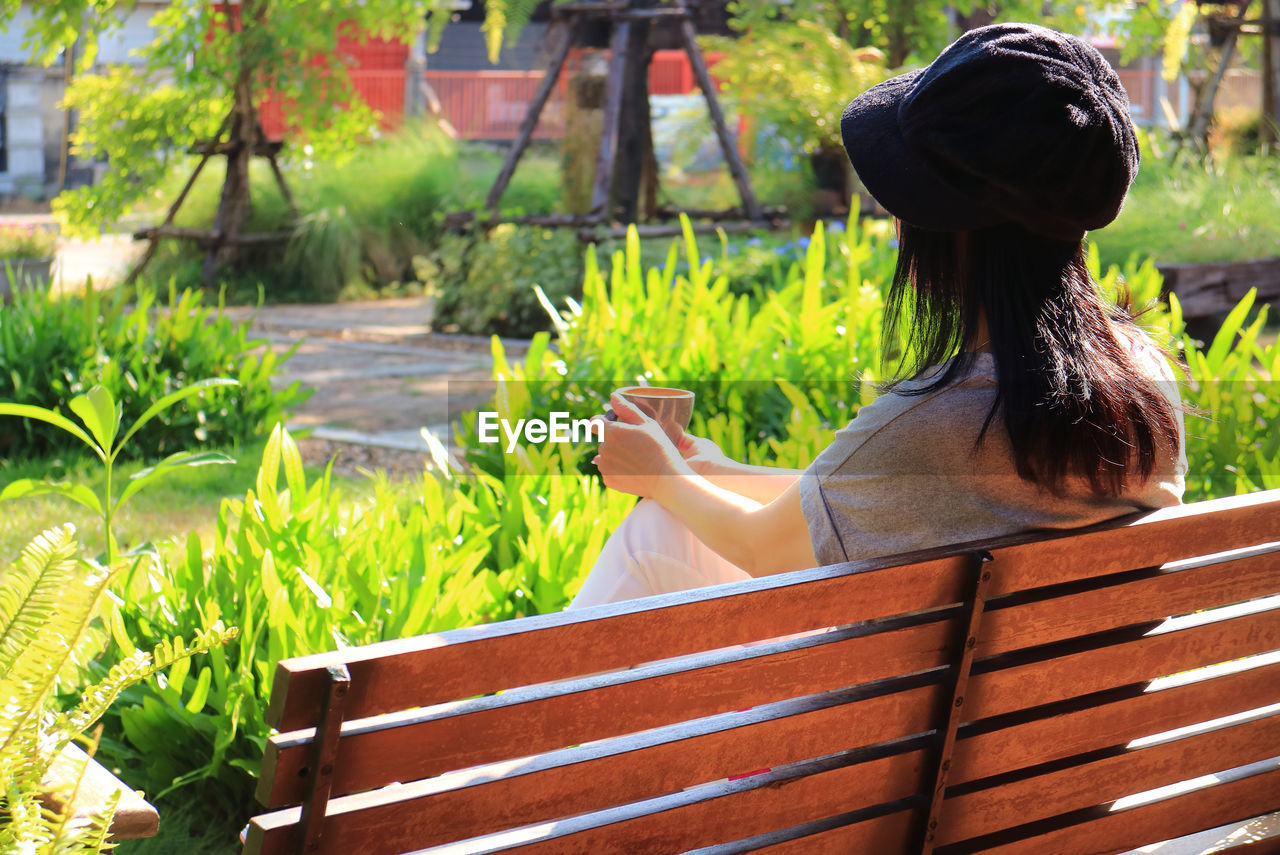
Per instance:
{"type": "Point", "coordinates": [584, 116]}
{"type": "Point", "coordinates": [236, 204]}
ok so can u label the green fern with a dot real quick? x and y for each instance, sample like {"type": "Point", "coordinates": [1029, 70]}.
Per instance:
{"type": "Point", "coordinates": [47, 600]}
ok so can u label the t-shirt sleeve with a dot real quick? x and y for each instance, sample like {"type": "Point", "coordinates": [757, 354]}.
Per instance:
{"type": "Point", "coordinates": [852, 494]}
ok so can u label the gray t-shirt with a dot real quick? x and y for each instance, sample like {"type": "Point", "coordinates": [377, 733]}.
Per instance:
{"type": "Point", "coordinates": [905, 475]}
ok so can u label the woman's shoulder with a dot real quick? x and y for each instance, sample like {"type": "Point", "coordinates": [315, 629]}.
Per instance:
{"type": "Point", "coordinates": [913, 418]}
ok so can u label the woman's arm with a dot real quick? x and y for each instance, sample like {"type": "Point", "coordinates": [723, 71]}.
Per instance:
{"type": "Point", "coordinates": [761, 483]}
{"type": "Point", "coordinates": [760, 537]}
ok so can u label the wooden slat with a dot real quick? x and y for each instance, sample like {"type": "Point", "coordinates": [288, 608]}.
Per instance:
{"type": "Point", "coordinates": [1114, 722]}
{"type": "Point", "coordinates": [1206, 640]}
{"type": "Point", "coordinates": [431, 669]}
{"type": "Point", "coordinates": [993, 809]}
{"type": "Point", "coordinates": [518, 724]}
{"type": "Point", "coordinates": [594, 777]}
{"type": "Point", "coordinates": [474, 661]}
{"type": "Point", "coordinates": [1117, 831]}
{"type": "Point", "coordinates": [745, 808]}
{"type": "Point", "coordinates": [1169, 534]}
{"type": "Point", "coordinates": [1228, 579]}
{"type": "Point", "coordinates": [649, 765]}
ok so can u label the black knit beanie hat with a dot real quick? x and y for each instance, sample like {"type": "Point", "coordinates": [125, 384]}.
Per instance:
{"type": "Point", "coordinates": [1011, 123]}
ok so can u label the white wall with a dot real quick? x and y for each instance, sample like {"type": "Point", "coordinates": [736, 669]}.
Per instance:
{"type": "Point", "coordinates": [27, 93]}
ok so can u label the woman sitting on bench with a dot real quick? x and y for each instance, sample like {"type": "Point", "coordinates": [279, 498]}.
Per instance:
{"type": "Point", "coordinates": [1026, 401]}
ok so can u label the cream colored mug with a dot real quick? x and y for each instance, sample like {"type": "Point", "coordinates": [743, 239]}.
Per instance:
{"type": "Point", "coordinates": [672, 408]}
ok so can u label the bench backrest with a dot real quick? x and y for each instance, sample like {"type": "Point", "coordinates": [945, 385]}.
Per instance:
{"type": "Point", "coordinates": [997, 697]}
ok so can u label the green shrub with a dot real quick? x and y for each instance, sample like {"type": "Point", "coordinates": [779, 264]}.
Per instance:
{"type": "Point", "coordinates": [299, 570]}
{"type": "Point", "coordinates": [362, 220]}
{"type": "Point", "coordinates": [484, 283]}
{"type": "Point", "coordinates": [681, 324]}
{"type": "Point", "coordinates": [53, 349]}
{"type": "Point", "coordinates": [48, 600]}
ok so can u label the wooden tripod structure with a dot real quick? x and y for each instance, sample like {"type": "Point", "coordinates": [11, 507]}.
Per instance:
{"type": "Point", "coordinates": [569, 22]}
{"type": "Point", "coordinates": [217, 238]}
{"type": "Point", "coordinates": [1268, 26]}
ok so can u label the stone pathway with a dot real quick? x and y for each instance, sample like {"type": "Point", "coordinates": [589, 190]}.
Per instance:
{"type": "Point", "coordinates": [379, 373]}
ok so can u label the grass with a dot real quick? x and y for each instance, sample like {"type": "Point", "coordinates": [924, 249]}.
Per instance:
{"type": "Point", "coordinates": [185, 828]}
{"type": "Point", "coordinates": [1189, 211]}
{"type": "Point", "coordinates": [189, 501]}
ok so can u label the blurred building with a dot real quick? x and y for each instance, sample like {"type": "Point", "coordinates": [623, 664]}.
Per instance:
{"type": "Point", "coordinates": [34, 129]}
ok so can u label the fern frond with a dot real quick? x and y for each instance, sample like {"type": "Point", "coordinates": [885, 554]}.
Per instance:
{"type": "Point", "coordinates": [31, 590]}
{"type": "Point", "coordinates": [137, 667]}
{"type": "Point", "coordinates": [62, 595]}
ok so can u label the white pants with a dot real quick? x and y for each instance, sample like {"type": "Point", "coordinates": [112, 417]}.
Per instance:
{"type": "Point", "coordinates": [652, 552]}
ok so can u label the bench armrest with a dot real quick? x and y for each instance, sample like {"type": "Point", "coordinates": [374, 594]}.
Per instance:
{"type": "Point", "coordinates": [134, 817]}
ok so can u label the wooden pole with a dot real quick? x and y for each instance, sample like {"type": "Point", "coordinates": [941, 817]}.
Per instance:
{"type": "Point", "coordinates": [154, 238]}
{"type": "Point", "coordinates": [635, 136]}
{"type": "Point", "coordinates": [1204, 108]}
{"type": "Point", "coordinates": [561, 37]}
{"type": "Point", "coordinates": [612, 112]}
{"type": "Point", "coordinates": [1269, 126]}
{"type": "Point", "coordinates": [728, 144]}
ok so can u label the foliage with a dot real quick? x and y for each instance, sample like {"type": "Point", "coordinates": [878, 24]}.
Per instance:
{"type": "Point", "coordinates": [484, 281]}
{"type": "Point", "coordinates": [186, 79]}
{"type": "Point", "coordinates": [47, 601]}
{"type": "Point", "coordinates": [907, 33]}
{"type": "Point", "coordinates": [101, 416]}
{"type": "Point", "coordinates": [53, 349]}
{"type": "Point", "coordinates": [27, 241]}
{"type": "Point", "coordinates": [806, 98]}
{"type": "Point", "coordinates": [1236, 132]}
{"type": "Point", "coordinates": [1232, 445]}
{"type": "Point", "coordinates": [364, 221]}
{"type": "Point", "coordinates": [300, 571]}
{"type": "Point", "coordinates": [680, 324]}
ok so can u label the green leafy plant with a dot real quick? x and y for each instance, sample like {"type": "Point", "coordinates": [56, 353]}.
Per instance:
{"type": "Point", "coordinates": [299, 570]}
{"type": "Point", "coordinates": [54, 348]}
{"type": "Point", "coordinates": [101, 416]}
{"type": "Point", "coordinates": [484, 283]}
{"type": "Point", "coordinates": [47, 600]}
{"type": "Point", "coordinates": [679, 323]}
{"type": "Point", "coordinates": [807, 98]}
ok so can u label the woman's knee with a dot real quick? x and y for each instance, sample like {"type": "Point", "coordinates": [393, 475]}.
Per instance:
{"type": "Point", "coordinates": [649, 526]}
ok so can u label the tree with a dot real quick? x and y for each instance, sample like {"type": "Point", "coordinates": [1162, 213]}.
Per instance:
{"type": "Point", "coordinates": [210, 67]}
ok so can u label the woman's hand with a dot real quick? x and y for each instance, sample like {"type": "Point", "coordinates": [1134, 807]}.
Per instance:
{"type": "Point", "coordinates": [636, 453]}
{"type": "Point", "coordinates": [702, 455]}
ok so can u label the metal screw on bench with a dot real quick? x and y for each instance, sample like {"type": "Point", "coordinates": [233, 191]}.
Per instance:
{"type": "Point", "coordinates": [977, 605]}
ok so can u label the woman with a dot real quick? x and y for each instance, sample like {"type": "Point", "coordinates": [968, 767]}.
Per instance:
{"type": "Point", "coordinates": [1027, 401]}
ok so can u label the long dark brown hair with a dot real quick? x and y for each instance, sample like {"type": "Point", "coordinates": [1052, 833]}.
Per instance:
{"type": "Point", "coordinates": [1073, 401]}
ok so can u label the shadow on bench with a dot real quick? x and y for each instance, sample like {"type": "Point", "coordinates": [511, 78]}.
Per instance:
{"type": "Point", "coordinates": [1015, 696]}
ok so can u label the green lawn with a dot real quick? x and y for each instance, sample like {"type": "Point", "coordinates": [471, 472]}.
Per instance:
{"type": "Point", "coordinates": [187, 501]}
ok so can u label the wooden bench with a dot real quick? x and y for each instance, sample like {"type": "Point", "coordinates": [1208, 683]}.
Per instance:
{"type": "Point", "coordinates": [1013, 696]}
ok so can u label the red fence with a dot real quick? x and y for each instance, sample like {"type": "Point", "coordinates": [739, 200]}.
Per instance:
{"type": "Point", "coordinates": [377, 70]}
{"type": "Point", "coordinates": [490, 105]}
